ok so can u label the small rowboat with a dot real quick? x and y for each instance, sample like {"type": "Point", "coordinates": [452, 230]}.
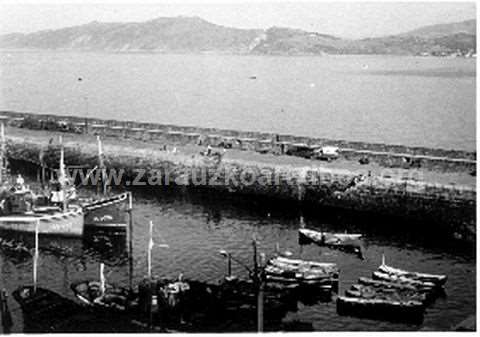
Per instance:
{"type": "Point", "coordinates": [390, 294]}
{"type": "Point", "coordinates": [437, 280]}
{"type": "Point", "coordinates": [344, 241]}
{"type": "Point", "coordinates": [113, 298]}
{"type": "Point", "coordinates": [397, 310]}
{"type": "Point", "coordinates": [423, 286]}
{"type": "Point", "coordinates": [328, 238]}
{"type": "Point", "coordinates": [298, 265]}
{"type": "Point", "coordinates": [300, 272]}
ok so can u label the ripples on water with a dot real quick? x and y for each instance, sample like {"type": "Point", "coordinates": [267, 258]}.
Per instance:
{"type": "Point", "coordinates": [196, 225]}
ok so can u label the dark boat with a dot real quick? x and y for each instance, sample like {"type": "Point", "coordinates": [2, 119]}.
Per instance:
{"type": "Point", "coordinates": [405, 311]}
{"type": "Point", "coordinates": [186, 305]}
{"type": "Point", "coordinates": [113, 298]}
{"type": "Point", "coordinates": [107, 213]}
{"type": "Point", "coordinates": [437, 280]}
{"type": "Point", "coordinates": [46, 311]}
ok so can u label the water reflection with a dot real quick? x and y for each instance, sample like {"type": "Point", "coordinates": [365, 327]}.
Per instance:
{"type": "Point", "coordinates": [196, 225]}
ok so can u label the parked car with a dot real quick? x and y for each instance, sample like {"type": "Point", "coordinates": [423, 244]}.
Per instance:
{"type": "Point", "coordinates": [327, 153]}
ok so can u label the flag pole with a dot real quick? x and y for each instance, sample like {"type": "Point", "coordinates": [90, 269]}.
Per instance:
{"type": "Point", "coordinates": [2, 136]}
{"type": "Point", "coordinates": [102, 279]}
{"type": "Point", "coordinates": [149, 256]}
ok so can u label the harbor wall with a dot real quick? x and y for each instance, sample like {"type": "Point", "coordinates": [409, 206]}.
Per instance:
{"type": "Point", "coordinates": [386, 155]}
{"type": "Point", "coordinates": [452, 207]}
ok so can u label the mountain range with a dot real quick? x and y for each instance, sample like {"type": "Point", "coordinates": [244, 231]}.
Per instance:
{"type": "Point", "coordinates": [195, 35]}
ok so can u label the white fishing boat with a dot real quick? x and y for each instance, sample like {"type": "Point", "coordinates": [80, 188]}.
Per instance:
{"type": "Point", "coordinates": [19, 212]}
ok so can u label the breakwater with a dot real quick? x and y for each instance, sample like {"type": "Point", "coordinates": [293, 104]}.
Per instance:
{"type": "Point", "coordinates": [385, 155]}
{"type": "Point", "coordinates": [299, 182]}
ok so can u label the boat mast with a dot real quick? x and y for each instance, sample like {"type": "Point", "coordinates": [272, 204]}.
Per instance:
{"type": "Point", "coordinates": [62, 176]}
{"type": "Point", "coordinates": [35, 257]}
{"type": "Point", "coordinates": [2, 151]}
{"type": "Point", "coordinates": [102, 279]}
{"type": "Point", "coordinates": [149, 253]}
{"type": "Point", "coordinates": [101, 165]}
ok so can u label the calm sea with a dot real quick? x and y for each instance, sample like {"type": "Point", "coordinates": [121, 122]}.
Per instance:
{"type": "Point", "coordinates": [399, 100]}
{"type": "Point", "coordinates": [197, 225]}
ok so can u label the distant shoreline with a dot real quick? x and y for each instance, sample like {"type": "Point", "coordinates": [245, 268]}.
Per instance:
{"type": "Point", "coordinates": [217, 53]}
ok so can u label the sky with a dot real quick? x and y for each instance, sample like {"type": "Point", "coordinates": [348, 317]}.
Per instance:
{"type": "Point", "coordinates": [344, 19]}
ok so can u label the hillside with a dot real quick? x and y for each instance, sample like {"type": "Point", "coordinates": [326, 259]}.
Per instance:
{"type": "Point", "coordinates": [193, 35]}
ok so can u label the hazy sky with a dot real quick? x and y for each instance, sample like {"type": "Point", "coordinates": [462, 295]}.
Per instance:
{"type": "Point", "coordinates": [346, 19]}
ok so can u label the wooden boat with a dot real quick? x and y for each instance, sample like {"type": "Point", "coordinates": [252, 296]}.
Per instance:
{"type": "Point", "coordinates": [410, 311]}
{"type": "Point", "coordinates": [393, 285]}
{"type": "Point", "coordinates": [113, 298]}
{"type": "Point", "coordinates": [46, 311]}
{"type": "Point", "coordinates": [107, 213]}
{"type": "Point", "coordinates": [390, 294]}
{"type": "Point", "coordinates": [328, 238]}
{"type": "Point", "coordinates": [20, 214]}
{"type": "Point", "coordinates": [348, 242]}
{"type": "Point", "coordinates": [67, 223]}
{"type": "Point", "coordinates": [424, 286]}
{"type": "Point", "coordinates": [437, 280]}
{"type": "Point", "coordinates": [186, 305]}
{"type": "Point", "coordinates": [300, 272]}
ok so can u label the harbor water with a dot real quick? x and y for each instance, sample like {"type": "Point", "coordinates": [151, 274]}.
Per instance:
{"type": "Point", "coordinates": [196, 225]}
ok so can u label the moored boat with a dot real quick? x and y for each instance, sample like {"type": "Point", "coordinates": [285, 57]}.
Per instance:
{"type": "Point", "coordinates": [328, 238]}
{"type": "Point", "coordinates": [20, 212]}
{"type": "Point", "coordinates": [113, 298]}
{"type": "Point", "coordinates": [436, 279]}
{"type": "Point", "coordinates": [301, 272]}
{"type": "Point", "coordinates": [349, 242]}
{"type": "Point", "coordinates": [397, 310]}
{"type": "Point", "coordinates": [390, 294]}
{"type": "Point", "coordinates": [52, 222]}
{"type": "Point", "coordinates": [424, 286]}
{"type": "Point", "coordinates": [46, 311]}
{"type": "Point", "coordinates": [107, 213]}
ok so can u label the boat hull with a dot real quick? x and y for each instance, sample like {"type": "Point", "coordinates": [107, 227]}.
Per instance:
{"type": "Point", "coordinates": [107, 213]}
{"type": "Point", "coordinates": [438, 280]}
{"type": "Point", "coordinates": [411, 311]}
{"type": "Point", "coordinates": [69, 223]}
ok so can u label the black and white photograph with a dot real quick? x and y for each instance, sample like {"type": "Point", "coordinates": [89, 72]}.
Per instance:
{"type": "Point", "coordinates": [237, 167]}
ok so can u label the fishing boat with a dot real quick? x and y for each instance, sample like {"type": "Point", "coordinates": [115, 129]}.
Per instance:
{"type": "Point", "coordinates": [437, 280]}
{"type": "Point", "coordinates": [19, 212]}
{"type": "Point", "coordinates": [395, 310]}
{"type": "Point", "coordinates": [46, 311]}
{"type": "Point", "coordinates": [109, 211]}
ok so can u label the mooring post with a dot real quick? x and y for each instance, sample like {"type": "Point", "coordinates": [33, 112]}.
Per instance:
{"type": "Point", "coordinates": [259, 286]}
{"type": "Point", "coordinates": [5, 312]}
